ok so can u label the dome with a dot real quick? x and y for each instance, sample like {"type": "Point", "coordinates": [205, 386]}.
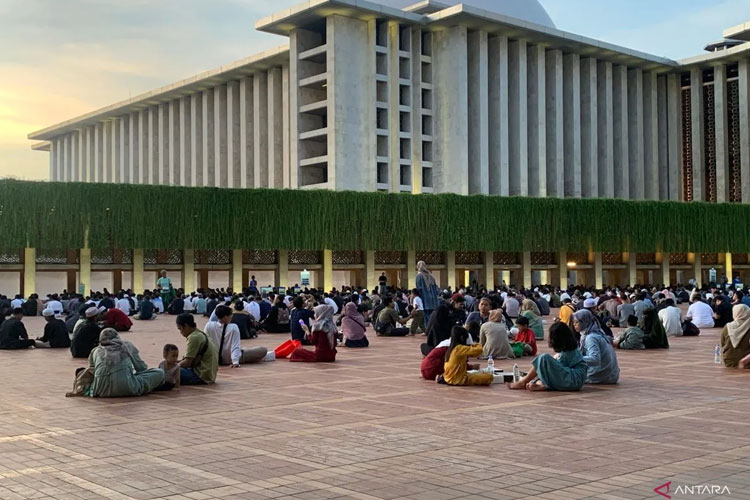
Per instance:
{"type": "Point", "coordinates": [528, 10]}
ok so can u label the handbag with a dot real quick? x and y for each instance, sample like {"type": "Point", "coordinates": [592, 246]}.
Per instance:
{"type": "Point", "coordinates": [82, 383]}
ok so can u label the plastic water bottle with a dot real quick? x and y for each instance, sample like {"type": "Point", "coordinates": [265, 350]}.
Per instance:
{"type": "Point", "coordinates": [717, 354]}
{"type": "Point", "coordinates": [490, 365]}
{"type": "Point", "coordinates": [516, 373]}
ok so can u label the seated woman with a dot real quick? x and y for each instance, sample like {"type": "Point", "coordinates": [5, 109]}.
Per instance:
{"type": "Point", "coordinates": [632, 337]}
{"type": "Point", "coordinates": [493, 335]}
{"type": "Point", "coordinates": [735, 341]}
{"type": "Point", "coordinates": [654, 335]}
{"type": "Point", "coordinates": [323, 337]}
{"type": "Point", "coordinates": [438, 328]}
{"type": "Point", "coordinates": [353, 327]}
{"type": "Point", "coordinates": [277, 320]}
{"type": "Point", "coordinates": [456, 359]}
{"type": "Point", "coordinates": [530, 311]}
{"type": "Point", "coordinates": [302, 310]}
{"type": "Point", "coordinates": [597, 350]}
{"type": "Point", "coordinates": [119, 370]}
{"type": "Point", "coordinates": [564, 372]}
{"type": "Point", "coordinates": [434, 363]}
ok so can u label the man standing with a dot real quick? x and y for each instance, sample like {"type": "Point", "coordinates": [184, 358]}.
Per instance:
{"type": "Point", "coordinates": [226, 335]}
{"type": "Point", "coordinates": [382, 281]}
{"type": "Point", "coordinates": [12, 332]}
{"type": "Point", "coordinates": [201, 361]}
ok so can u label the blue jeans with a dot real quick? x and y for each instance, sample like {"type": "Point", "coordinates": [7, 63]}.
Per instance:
{"type": "Point", "coordinates": [188, 377]}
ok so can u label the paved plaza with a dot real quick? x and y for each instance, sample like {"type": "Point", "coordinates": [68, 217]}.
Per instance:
{"type": "Point", "coordinates": [369, 427]}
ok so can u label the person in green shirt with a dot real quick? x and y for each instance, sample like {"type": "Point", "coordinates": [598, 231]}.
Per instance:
{"type": "Point", "coordinates": [201, 361]}
{"type": "Point", "coordinates": [164, 285]}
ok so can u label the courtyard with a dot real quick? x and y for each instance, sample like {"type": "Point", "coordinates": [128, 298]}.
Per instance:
{"type": "Point", "coordinates": [368, 427]}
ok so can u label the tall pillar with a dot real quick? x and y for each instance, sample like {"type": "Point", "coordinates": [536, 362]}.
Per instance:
{"type": "Point", "coordinates": [720, 131]}
{"type": "Point", "coordinates": [697, 126]}
{"type": "Point", "coordinates": [589, 129]}
{"type": "Point", "coordinates": [554, 121]}
{"type": "Point", "coordinates": [598, 272]}
{"type": "Point", "coordinates": [282, 269]}
{"type": "Point", "coordinates": [620, 132]}
{"type": "Point", "coordinates": [635, 133]}
{"type": "Point", "coordinates": [674, 135]}
{"type": "Point", "coordinates": [411, 269]}
{"type": "Point", "coordinates": [562, 270]}
{"type": "Point", "coordinates": [526, 269]}
{"type": "Point", "coordinates": [186, 156]}
{"type": "Point", "coordinates": [371, 277]}
{"type": "Point", "coordinates": [234, 175]}
{"type": "Point", "coordinates": [488, 270]}
{"type": "Point", "coordinates": [728, 271]}
{"type": "Point", "coordinates": [478, 110]}
{"type": "Point", "coordinates": [29, 271]}
{"type": "Point", "coordinates": [450, 269]}
{"type": "Point", "coordinates": [85, 270]}
{"type": "Point", "coordinates": [247, 157]}
{"type": "Point", "coordinates": [650, 136]}
{"type": "Point", "coordinates": [605, 126]}
{"type": "Point", "coordinates": [664, 258]}
{"type": "Point", "coordinates": [237, 270]}
{"type": "Point", "coordinates": [327, 270]}
{"type": "Point", "coordinates": [537, 121]}
{"type": "Point", "coordinates": [138, 258]}
{"type": "Point", "coordinates": [697, 268]}
{"type": "Point", "coordinates": [260, 130]}
{"type": "Point", "coordinates": [221, 170]}
{"type": "Point", "coordinates": [498, 115]}
{"type": "Point", "coordinates": [518, 115]}
{"type": "Point", "coordinates": [188, 270]}
{"type": "Point", "coordinates": [572, 120]}
{"type": "Point", "coordinates": [744, 82]}
{"type": "Point", "coordinates": [630, 260]}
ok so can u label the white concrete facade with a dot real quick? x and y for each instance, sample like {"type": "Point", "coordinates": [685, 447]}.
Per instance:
{"type": "Point", "coordinates": [426, 99]}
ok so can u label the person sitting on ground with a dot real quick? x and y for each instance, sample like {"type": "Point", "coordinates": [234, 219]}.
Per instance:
{"type": "Point", "coordinates": [176, 306]}
{"type": "Point", "coordinates": [277, 320]}
{"type": "Point", "coordinates": [700, 313]}
{"type": "Point", "coordinates": [632, 337]}
{"type": "Point", "coordinates": [322, 335]}
{"type": "Point", "coordinates": [567, 310]}
{"type": "Point", "coordinates": [597, 350]}
{"type": "Point", "coordinates": [300, 311]}
{"type": "Point", "coordinates": [511, 306]}
{"type": "Point", "coordinates": [723, 314]}
{"type": "Point", "coordinates": [541, 303]}
{"type": "Point", "coordinates": [211, 304]}
{"type": "Point", "coordinates": [30, 306]}
{"type": "Point", "coordinates": [226, 335]}
{"type": "Point", "coordinates": [434, 363]}
{"type": "Point", "coordinates": [243, 320]}
{"type": "Point", "coordinates": [13, 333]}
{"type": "Point", "coordinates": [530, 311]}
{"type": "Point", "coordinates": [671, 318]}
{"type": "Point", "coordinates": [353, 327]}
{"type": "Point", "coordinates": [119, 370]}
{"type": "Point", "coordinates": [200, 304]}
{"type": "Point", "coordinates": [438, 328]}
{"type": "Point", "coordinates": [201, 362]}
{"type": "Point", "coordinates": [456, 358]}
{"type": "Point", "coordinates": [525, 336]}
{"type": "Point", "coordinates": [565, 371]}
{"type": "Point", "coordinates": [55, 331]}
{"type": "Point", "coordinates": [122, 303]}
{"type": "Point", "coordinates": [145, 308]}
{"type": "Point", "coordinates": [493, 335]}
{"type": "Point", "coordinates": [171, 367]}
{"type": "Point", "coordinates": [735, 341]}
{"type": "Point", "coordinates": [482, 314]}
{"type": "Point", "coordinates": [115, 318]}
{"type": "Point", "coordinates": [86, 336]}
{"type": "Point", "coordinates": [654, 336]}
{"type": "Point", "coordinates": [387, 321]}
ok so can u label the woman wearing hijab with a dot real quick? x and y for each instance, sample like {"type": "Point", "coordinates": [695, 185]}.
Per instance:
{"type": "Point", "coordinates": [322, 336]}
{"type": "Point", "coordinates": [735, 341]}
{"type": "Point", "coordinates": [428, 290]}
{"type": "Point", "coordinates": [494, 337]}
{"type": "Point", "coordinates": [119, 370]}
{"type": "Point", "coordinates": [530, 310]}
{"type": "Point", "coordinates": [353, 327]}
{"type": "Point", "coordinates": [654, 335]}
{"type": "Point", "coordinates": [597, 350]}
{"type": "Point", "coordinates": [438, 329]}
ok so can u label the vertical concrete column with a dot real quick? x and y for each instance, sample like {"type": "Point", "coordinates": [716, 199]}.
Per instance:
{"type": "Point", "coordinates": [411, 269]}
{"type": "Point", "coordinates": [620, 133]}
{"type": "Point", "coordinates": [133, 148]}
{"type": "Point", "coordinates": [697, 268]}
{"type": "Point", "coordinates": [394, 96]}
{"type": "Point", "coordinates": [221, 167]}
{"type": "Point", "coordinates": [598, 271]}
{"type": "Point", "coordinates": [296, 38]}
{"type": "Point", "coordinates": [29, 271]}
{"type": "Point", "coordinates": [163, 131]}
{"type": "Point", "coordinates": [53, 160]}
{"type": "Point", "coordinates": [518, 114]}
{"type": "Point", "coordinates": [115, 173]}
{"type": "Point", "coordinates": [173, 127]}
{"type": "Point", "coordinates": [478, 109]}
{"type": "Point", "coordinates": [630, 260]}
{"type": "Point", "coordinates": [66, 158]}
{"type": "Point", "coordinates": [663, 257]}
{"type": "Point", "coordinates": [85, 268]}
{"type": "Point", "coordinates": [526, 269]}
{"type": "Point", "coordinates": [663, 137]}
{"type": "Point", "coordinates": [635, 134]}
{"type": "Point", "coordinates": [143, 151]}
{"type": "Point", "coordinates": [234, 175]}
{"type": "Point", "coordinates": [260, 130]}
{"type": "Point", "coordinates": [572, 120]}
{"type": "Point", "coordinates": [81, 147]}
{"type": "Point", "coordinates": [488, 270]}
{"type": "Point", "coordinates": [450, 269]}
{"type": "Point", "coordinates": [497, 75]}
{"type": "Point", "coordinates": [124, 170]}
{"type": "Point", "coordinates": [237, 269]}
{"type": "Point", "coordinates": [674, 135]}
{"type": "Point", "coordinates": [89, 160]}
{"type": "Point", "coordinates": [605, 118]}
{"type": "Point", "coordinates": [188, 270]}
{"type": "Point", "coordinates": [97, 151]}
{"type": "Point", "coordinates": [138, 258]}
{"type": "Point", "coordinates": [744, 83]}
{"type": "Point", "coordinates": [371, 277]}
{"type": "Point", "coordinates": [207, 137]}
{"type": "Point", "coordinates": [562, 270]}
{"type": "Point", "coordinates": [185, 141]}
{"type": "Point", "coordinates": [728, 269]}
{"type": "Point", "coordinates": [327, 270]}
{"type": "Point", "coordinates": [110, 170]}
{"type": "Point", "coordinates": [281, 274]}
{"type": "Point", "coordinates": [196, 140]}
{"type": "Point", "coordinates": [275, 129]}
{"type": "Point", "coordinates": [555, 151]}
{"type": "Point", "coordinates": [286, 135]}
{"type": "Point", "coordinates": [650, 136]}
{"type": "Point", "coordinates": [589, 129]}
{"type": "Point", "coordinates": [721, 136]}
{"type": "Point", "coordinates": [537, 120]}
{"type": "Point", "coordinates": [697, 129]}
{"type": "Point", "coordinates": [246, 132]}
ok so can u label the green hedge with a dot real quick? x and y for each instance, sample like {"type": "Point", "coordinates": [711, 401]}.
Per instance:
{"type": "Point", "coordinates": [55, 215]}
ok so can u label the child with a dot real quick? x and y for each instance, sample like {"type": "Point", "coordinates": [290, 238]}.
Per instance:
{"type": "Point", "coordinates": [632, 338]}
{"type": "Point", "coordinates": [171, 367]}
{"type": "Point", "coordinates": [565, 371]}
{"type": "Point", "coordinates": [526, 335]}
{"type": "Point", "coordinates": [455, 361]}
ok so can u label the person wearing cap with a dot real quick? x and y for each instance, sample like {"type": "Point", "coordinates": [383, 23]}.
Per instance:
{"type": "Point", "coordinates": [55, 331]}
{"type": "Point", "coordinates": [12, 332]}
{"type": "Point", "coordinates": [123, 304]}
{"type": "Point", "coordinates": [591, 304]}
{"type": "Point", "coordinates": [87, 336]}
{"type": "Point", "coordinates": [115, 318]}
{"type": "Point", "coordinates": [55, 305]}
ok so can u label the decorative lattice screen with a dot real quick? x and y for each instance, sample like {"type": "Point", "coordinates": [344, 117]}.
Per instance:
{"type": "Point", "coordinates": [259, 257]}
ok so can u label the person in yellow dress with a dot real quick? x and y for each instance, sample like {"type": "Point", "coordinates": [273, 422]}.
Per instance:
{"type": "Point", "coordinates": [456, 357]}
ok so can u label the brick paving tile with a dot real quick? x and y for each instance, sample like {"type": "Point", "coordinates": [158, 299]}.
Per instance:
{"type": "Point", "coordinates": [368, 427]}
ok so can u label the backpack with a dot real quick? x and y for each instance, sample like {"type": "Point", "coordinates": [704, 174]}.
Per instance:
{"type": "Point", "coordinates": [283, 316]}
{"type": "Point", "coordinates": [570, 321]}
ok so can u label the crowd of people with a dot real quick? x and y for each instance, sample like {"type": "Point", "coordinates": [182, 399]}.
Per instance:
{"type": "Point", "coordinates": [505, 323]}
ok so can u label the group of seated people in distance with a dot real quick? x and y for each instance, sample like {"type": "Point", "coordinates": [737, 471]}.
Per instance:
{"type": "Point", "coordinates": [505, 323]}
